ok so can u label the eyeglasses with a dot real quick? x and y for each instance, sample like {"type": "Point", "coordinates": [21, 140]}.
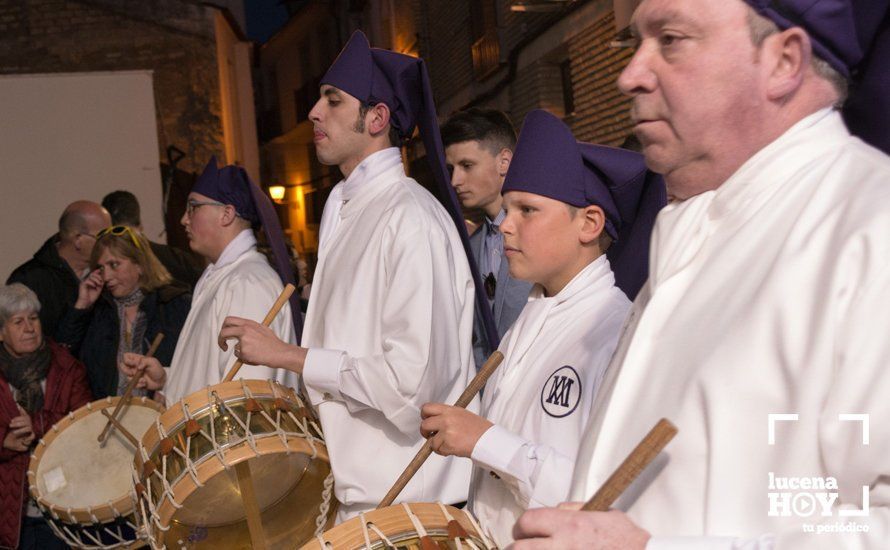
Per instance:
{"type": "Point", "coordinates": [191, 205]}
{"type": "Point", "coordinates": [117, 231]}
{"type": "Point", "coordinates": [490, 285]}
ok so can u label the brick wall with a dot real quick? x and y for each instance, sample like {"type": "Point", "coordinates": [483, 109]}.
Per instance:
{"type": "Point", "coordinates": [537, 86]}
{"type": "Point", "coordinates": [601, 111]}
{"type": "Point", "coordinates": [174, 38]}
{"type": "Point", "coordinates": [447, 46]}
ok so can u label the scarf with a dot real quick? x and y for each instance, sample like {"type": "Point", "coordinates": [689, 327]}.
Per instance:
{"type": "Point", "coordinates": [25, 374]}
{"type": "Point", "coordinates": [129, 341]}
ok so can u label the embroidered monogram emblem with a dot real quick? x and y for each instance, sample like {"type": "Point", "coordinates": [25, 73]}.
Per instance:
{"type": "Point", "coordinates": [561, 392]}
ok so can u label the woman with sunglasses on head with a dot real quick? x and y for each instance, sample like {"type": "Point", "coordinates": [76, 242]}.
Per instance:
{"type": "Point", "coordinates": [127, 299]}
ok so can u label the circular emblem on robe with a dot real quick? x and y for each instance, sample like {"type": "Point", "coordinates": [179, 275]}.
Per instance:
{"type": "Point", "coordinates": [561, 393]}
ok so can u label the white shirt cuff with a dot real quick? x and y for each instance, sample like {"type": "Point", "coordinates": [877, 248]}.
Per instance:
{"type": "Point", "coordinates": [496, 449]}
{"type": "Point", "coordinates": [321, 374]}
{"type": "Point", "coordinates": [691, 543]}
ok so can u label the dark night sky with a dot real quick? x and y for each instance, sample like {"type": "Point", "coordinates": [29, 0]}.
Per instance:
{"type": "Point", "coordinates": [264, 17]}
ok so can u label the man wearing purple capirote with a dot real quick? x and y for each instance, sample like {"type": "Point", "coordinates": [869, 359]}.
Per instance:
{"type": "Point", "coordinates": [224, 207]}
{"type": "Point", "coordinates": [768, 294]}
{"type": "Point", "coordinates": [390, 316]}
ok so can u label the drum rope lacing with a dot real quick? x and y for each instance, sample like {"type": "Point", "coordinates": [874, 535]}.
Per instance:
{"type": "Point", "coordinates": [81, 537]}
{"type": "Point", "coordinates": [307, 429]}
{"type": "Point", "coordinates": [449, 518]}
{"type": "Point", "coordinates": [485, 540]}
{"type": "Point", "coordinates": [325, 505]}
{"type": "Point", "coordinates": [368, 527]}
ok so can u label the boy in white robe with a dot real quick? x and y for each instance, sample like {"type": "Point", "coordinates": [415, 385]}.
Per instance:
{"type": "Point", "coordinates": [565, 203]}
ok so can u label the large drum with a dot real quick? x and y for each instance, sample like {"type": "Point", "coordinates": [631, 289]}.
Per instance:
{"type": "Point", "coordinates": [85, 489]}
{"type": "Point", "coordinates": [187, 488]}
{"type": "Point", "coordinates": [415, 526]}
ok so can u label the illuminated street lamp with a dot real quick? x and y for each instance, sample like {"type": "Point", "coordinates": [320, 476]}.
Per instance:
{"type": "Point", "coordinates": [276, 192]}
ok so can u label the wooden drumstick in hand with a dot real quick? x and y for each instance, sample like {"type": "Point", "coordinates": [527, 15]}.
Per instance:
{"type": "Point", "coordinates": [276, 307]}
{"type": "Point", "coordinates": [465, 398]}
{"type": "Point", "coordinates": [642, 455]}
{"type": "Point", "coordinates": [129, 390]}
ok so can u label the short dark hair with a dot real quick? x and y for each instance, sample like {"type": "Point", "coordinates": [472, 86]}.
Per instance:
{"type": "Point", "coordinates": [395, 137]}
{"type": "Point", "coordinates": [123, 207]}
{"type": "Point", "coordinates": [490, 127]}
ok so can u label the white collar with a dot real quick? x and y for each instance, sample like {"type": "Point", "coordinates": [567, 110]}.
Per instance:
{"type": "Point", "coordinates": [243, 242]}
{"type": "Point", "coordinates": [598, 272]}
{"type": "Point", "coordinates": [367, 169]}
{"type": "Point", "coordinates": [682, 228]}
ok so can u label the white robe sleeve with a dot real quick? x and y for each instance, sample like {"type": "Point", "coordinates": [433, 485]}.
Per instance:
{"type": "Point", "coordinates": [408, 373]}
{"type": "Point", "coordinates": [537, 475]}
{"type": "Point", "coordinates": [861, 386]}
{"type": "Point", "coordinates": [250, 297]}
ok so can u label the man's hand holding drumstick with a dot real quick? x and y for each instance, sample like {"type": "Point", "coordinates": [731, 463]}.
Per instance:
{"type": "Point", "coordinates": [569, 528]}
{"type": "Point", "coordinates": [593, 524]}
{"type": "Point", "coordinates": [257, 344]}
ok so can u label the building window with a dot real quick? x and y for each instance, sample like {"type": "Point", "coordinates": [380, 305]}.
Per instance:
{"type": "Point", "coordinates": [486, 47]}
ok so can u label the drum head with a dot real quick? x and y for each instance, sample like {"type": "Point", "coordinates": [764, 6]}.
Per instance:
{"type": "Point", "coordinates": [218, 503]}
{"type": "Point", "coordinates": [191, 493]}
{"type": "Point", "coordinates": [286, 487]}
{"type": "Point", "coordinates": [75, 471]}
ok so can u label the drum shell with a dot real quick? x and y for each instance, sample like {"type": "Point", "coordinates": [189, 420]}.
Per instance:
{"type": "Point", "coordinates": [396, 523]}
{"type": "Point", "coordinates": [83, 427]}
{"type": "Point", "coordinates": [170, 497]}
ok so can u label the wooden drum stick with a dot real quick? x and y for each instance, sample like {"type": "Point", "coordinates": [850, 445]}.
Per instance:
{"type": "Point", "coordinates": [276, 307]}
{"type": "Point", "coordinates": [475, 385]}
{"type": "Point", "coordinates": [120, 428]}
{"type": "Point", "coordinates": [129, 390]}
{"type": "Point", "coordinates": [644, 453]}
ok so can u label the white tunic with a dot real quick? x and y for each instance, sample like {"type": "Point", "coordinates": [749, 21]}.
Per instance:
{"type": "Point", "coordinates": [240, 283]}
{"type": "Point", "coordinates": [770, 295]}
{"type": "Point", "coordinates": [389, 328]}
{"type": "Point", "coordinates": [540, 397]}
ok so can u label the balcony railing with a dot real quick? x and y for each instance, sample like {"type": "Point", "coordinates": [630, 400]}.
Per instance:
{"type": "Point", "coordinates": [486, 54]}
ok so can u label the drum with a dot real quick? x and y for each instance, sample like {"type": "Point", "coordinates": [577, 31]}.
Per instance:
{"type": "Point", "coordinates": [187, 488]}
{"type": "Point", "coordinates": [415, 526]}
{"type": "Point", "coordinates": [85, 490]}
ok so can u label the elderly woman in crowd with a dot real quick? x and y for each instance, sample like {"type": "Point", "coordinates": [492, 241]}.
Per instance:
{"type": "Point", "coordinates": [40, 382]}
{"type": "Point", "coordinates": [127, 299]}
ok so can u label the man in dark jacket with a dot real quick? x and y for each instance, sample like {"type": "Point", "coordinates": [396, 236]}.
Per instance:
{"type": "Point", "coordinates": [185, 267]}
{"type": "Point", "coordinates": [55, 271]}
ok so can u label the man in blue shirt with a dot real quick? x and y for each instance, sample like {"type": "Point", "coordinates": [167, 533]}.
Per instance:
{"type": "Point", "coordinates": [478, 148]}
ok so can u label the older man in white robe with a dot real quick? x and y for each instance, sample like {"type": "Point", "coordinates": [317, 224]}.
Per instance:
{"type": "Point", "coordinates": [761, 331]}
